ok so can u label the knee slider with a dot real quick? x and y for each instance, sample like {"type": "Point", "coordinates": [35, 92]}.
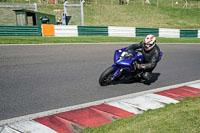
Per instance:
{"type": "Point", "coordinates": [146, 75]}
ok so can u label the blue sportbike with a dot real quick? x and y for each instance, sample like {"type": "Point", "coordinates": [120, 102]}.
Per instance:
{"type": "Point", "coordinates": [124, 66]}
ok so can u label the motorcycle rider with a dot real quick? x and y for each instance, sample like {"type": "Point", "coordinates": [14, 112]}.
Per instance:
{"type": "Point", "coordinates": [151, 53]}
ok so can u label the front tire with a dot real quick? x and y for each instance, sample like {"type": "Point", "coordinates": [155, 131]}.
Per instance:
{"type": "Point", "coordinates": [106, 76]}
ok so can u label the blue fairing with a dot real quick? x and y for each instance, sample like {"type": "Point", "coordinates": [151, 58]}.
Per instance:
{"type": "Point", "coordinates": [125, 61]}
{"type": "Point", "coordinates": [161, 54]}
{"type": "Point", "coordinates": [118, 53]}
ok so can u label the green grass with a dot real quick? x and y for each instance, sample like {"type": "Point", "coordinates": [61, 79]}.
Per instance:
{"type": "Point", "coordinates": [86, 39]}
{"type": "Point", "coordinates": [183, 117]}
{"type": "Point", "coordinates": [136, 14]}
{"type": "Point", "coordinates": [149, 16]}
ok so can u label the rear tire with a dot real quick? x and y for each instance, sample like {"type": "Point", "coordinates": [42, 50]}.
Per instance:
{"type": "Point", "coordinates": [106, 76]}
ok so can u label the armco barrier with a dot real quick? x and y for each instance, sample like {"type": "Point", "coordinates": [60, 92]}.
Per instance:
{"type": "Point", "coordinates": [169, 33]}
{"type": "Point", "coordinates": [20, 31]}
{"type": "Point", "coordinates": [92, 30]}
{"type": "Point", "coordinates": [65, 31]}
{"type": "Point", "coordinates": [121, 31]}
{"type": "Point", "coordinates": [188, 33]}
{"type": "Point", "coordinates": [74, 31]}
{"type": "Point", "coordinates": [48, 30]}
{"type": "Point", "coordinates": [198, 33]}
{"type": "Point", "coordinates": [146, 31]}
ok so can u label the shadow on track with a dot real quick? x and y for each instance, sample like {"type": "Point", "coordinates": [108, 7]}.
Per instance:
{"type": "Point", "coordinates": [131, 81]}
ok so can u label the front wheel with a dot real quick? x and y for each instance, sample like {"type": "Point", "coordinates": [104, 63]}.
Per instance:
{"type": "Point", "coordinates": [106, 76]}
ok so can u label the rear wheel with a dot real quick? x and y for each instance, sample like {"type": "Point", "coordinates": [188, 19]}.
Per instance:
{"type": "Point", "coordinates": [106, 76]}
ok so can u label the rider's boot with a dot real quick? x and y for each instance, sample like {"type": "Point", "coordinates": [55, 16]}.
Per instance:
{"type": "Point", "coordinates": [138, 77]}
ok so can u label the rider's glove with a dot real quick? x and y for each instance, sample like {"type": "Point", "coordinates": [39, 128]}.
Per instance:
{"type": "Point", "coordinates": [130, 55]}
{"type": "Point", "coordinates": [140, 66]}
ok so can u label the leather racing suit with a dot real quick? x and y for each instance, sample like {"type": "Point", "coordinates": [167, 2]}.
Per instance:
{"type": "Point", "coordinates": [151, 58]}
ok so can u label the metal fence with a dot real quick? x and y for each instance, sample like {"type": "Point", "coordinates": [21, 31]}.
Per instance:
{"type": "Point", "coordinates": [158, 3]}
{"type": "Point", "coordinates": [33, 6]}
{"type": "Point", "coordinates": [74, 10]}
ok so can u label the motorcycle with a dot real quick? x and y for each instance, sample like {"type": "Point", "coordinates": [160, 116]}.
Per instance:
{"type": "Point", "coordinates": [124, 66]}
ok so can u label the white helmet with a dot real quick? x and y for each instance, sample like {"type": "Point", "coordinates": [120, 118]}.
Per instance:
{"type": "Point", "coordinates": [149, 42]}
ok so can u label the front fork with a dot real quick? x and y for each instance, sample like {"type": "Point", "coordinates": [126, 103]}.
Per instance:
{"type": "Point", "coordinates": [117, 73]}
{"type": "Point", "coordinates": [136, 74]}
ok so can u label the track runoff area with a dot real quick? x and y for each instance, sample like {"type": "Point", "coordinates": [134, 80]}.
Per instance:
{"type": "Point", "coordinates": [76, 118]}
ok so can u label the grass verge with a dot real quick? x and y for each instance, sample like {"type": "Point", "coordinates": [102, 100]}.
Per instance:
{"type": "Point", "coordinates": [136, 14]}
{"type": "Point", "coordinates": [183, 117]}
{"type": "Point", "coordinates": [86, 39]}
{"type": "Point", "coordinates": [145, 16]}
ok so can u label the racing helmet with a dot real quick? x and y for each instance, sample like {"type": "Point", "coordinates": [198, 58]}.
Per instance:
{"type": "Point", "coordinates": [149, 42]}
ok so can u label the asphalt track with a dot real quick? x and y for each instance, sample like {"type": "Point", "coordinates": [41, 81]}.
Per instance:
{"type": "Point", "coordinates": [36, 78]}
